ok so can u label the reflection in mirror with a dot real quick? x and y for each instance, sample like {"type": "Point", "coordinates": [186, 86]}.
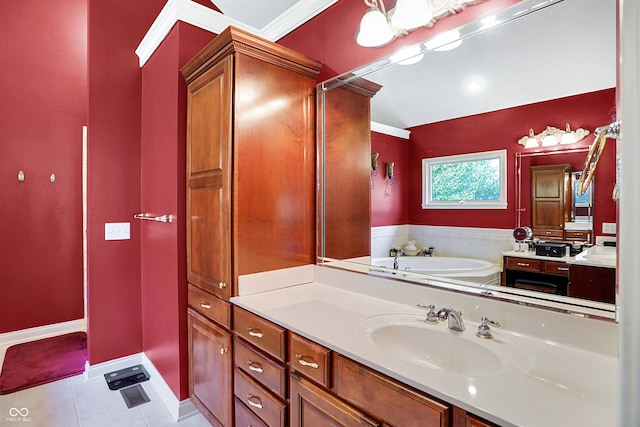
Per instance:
{"type": "Point", "coordinates": [520, 82]}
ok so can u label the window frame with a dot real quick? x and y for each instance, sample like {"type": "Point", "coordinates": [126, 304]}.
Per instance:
{"type": "Point", "coordinates": [428, 163]}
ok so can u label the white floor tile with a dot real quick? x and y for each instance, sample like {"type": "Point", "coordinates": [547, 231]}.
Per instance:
{"type": "Point", "coordinates": [74, 402]}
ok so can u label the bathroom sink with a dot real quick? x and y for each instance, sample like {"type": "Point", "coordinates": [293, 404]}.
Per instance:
{"type": "Point", "coordinates": [434, 346]}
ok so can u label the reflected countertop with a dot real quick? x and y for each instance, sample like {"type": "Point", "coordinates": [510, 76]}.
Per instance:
{"type": "Point", "coordinates": [571, 381]}
{"type": "Point", "coordinates": [595, 256]}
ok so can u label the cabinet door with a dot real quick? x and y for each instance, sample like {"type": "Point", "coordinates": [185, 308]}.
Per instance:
{"type": "Point", "coordinates": [549, 186]}
{"type": "Point", "coordinates": [389, 400]}
{"type": "Point", "coordinates": [312, 406]}
{"type": "Point", "coordinates": [593, 283]}
{"type": "Point", "coordinates": [210, 373]}
{"type": "Point", "coordinates": [208, 180]}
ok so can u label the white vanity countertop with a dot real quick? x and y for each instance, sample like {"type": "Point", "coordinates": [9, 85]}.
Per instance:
{"type": "Point", "coordinates": [595, 256]}
{"type": "Point", "coordinates": [570, 375]}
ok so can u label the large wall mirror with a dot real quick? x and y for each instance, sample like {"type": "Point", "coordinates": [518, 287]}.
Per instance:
{"type": "Point", "coordinates": [532, 65]}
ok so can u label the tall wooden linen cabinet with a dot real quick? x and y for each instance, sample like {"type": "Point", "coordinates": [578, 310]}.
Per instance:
{"type": "Point", "coordinates": [250, 190]}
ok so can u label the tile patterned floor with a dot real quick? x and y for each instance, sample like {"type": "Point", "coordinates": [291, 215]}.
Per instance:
{"type": "Point", "coordinates": [74, 402]}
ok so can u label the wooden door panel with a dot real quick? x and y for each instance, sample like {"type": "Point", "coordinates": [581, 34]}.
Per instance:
{"type": "Point", "coordinates": [208, 180]}
{"type": "Point", "coordinates": [210, 359]}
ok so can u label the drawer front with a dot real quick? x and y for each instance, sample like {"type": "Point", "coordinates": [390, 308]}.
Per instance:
{"type": "Point", "coordinates": [524, 264]}
{"type": "Point", "coordinates": [386, 399]}
{"type": "Point", "coordinates": [210, 306]}
{"type": "Point", "coordinates": [265, 335]}
{"type": "Point", "coordinates": [548, 234]}
{"type": "Point", "coordinates": [557, 268]}
{"type": "Point", "coordinates": [576, 235]}
{"type": "Point", "coordinates": [264, 370]}
{"type": "Point", "coordinates": [310, 359]}
{"type": "Point", "coordinates": [246, 418]}
{"type": "Point", "coordinates": [265, 405]}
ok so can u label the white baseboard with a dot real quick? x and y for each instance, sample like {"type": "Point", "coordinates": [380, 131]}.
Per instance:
{"type": "Point", "coordinates": [179, 409]}
{"type": "Point", "coordinates": [32, 334]}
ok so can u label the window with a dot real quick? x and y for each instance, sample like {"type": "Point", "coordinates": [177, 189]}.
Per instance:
{"type": "Point", "coordinates": [466, 181]}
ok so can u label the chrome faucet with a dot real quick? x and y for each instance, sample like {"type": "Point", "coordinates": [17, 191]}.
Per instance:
{"type": "Point", "coordinates": [453, 317]}
{"type": "Point", "coordinates": [395, 262]}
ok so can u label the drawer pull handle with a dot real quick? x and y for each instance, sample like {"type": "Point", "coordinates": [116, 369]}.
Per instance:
{"type": "Point", "coordinates": [255, 367]}
{"type": "Point", "coordinates": [303, 362]}
{"type": "Point", "coordinates": [254, 401]}
{"type": "Point", "coordinates": [563, 268]}
{"type": "Point", "coordinates": [522, 264]}
{"type": "Point", "coordinates": [223, 350]}
{"type": "Point", "coordinates": [255, 333]}
{"type": "Point", "coordinates": [205, 305]}
{"type": "Point", "coordinates": [222, 285]}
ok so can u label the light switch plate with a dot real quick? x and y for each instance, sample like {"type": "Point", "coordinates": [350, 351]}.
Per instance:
{"type": "Point", "coordinates": [117, 231]}
{"type": "Point", "coordinates": [608, 228]}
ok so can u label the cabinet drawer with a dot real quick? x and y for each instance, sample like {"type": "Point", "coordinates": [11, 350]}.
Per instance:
{"type": "Point", "coordinates": [548, 234]}
{"type": "Point", "coordinates": [310, 359]}
{"type": "Point", "coordinates": [558, 268]}
{"type": "Point", "coordinates": [210, 306]}
{"type": "Point", "coordinates": [576, 235]}
{"type": "Point", "coordinates": [524, 264]}
{"type": "Point", "coordinates": [245, 418]}
{"type": "Point", "coordinates": [264, 370]}
{"type": "Point", "coordinates": [265, 335]}
{"type": "Point", "coordinates": [262, 403]}
{"type": "Point", "coordinates": [385, 398]}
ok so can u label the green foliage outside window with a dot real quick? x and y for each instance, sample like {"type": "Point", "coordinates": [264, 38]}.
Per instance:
{"type": "Point", "coordinates": [469, 180]}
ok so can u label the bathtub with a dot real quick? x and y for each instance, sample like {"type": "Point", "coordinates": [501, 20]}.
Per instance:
{"type": "Point", "coordinates": [465, 269]}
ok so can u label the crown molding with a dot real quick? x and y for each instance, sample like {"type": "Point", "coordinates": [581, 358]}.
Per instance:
{"type": "Point", "coordinates": [390, 130]}
{"type": "Point", "coordinates": [208, 19]}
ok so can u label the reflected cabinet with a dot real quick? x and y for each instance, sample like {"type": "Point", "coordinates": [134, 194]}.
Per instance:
{"type": "Point", "coordinates": [250, 207]}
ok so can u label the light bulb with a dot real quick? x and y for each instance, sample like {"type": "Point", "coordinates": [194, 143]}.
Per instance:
{"type": "Point", "coordinates": [410, 14]}
{"type": "Point", "coordinates": [374, 29]}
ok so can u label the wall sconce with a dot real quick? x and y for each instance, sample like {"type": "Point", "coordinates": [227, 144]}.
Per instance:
{"type": "Point", "coordinates": [552, 136]}
{"type": "Point", "coordinates": [390, 179]}
{"type": "Point", "coordinates": [379, 27]}
{"type": "Point", "coordinates": [374, 166]}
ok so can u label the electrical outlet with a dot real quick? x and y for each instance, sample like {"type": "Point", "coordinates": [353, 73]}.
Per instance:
{"type": "Point", "coordinates": [117, 231]}
{"type": "Point", "coordinates": [608, 228]}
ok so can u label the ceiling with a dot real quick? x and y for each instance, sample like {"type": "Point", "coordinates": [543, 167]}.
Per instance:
{"type": "Point", "coordinates": [561, 50]}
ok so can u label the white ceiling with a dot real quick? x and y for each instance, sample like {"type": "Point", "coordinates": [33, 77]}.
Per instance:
{"type": "Point", "coordinates": [561, 50]}
{"type": "Point", "coordinates": [565, 49]}
{"type": "Point", "coordinates": [256, 13]}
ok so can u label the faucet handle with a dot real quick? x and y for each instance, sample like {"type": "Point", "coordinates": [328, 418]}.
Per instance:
{"type": "Point", "coordinates": [484, 331]}
{"type": "Point", "coordinates": [431, 315]}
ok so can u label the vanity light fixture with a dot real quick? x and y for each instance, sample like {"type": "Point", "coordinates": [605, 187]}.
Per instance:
{"type": "Point", "coordinates": [379, 27]}
{"type": "Point", "coordinates": [552, 136]}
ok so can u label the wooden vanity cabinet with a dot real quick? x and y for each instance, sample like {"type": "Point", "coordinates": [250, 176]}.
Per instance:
{"type": "Point", "coordinates": [550, 201]}
{"type": "Point", "coordinates": [250, 165]}
{"type": "Point", "coordinates": [592, 283]}
{"type": "Point", "coordinates": [535, 274]}
{"type": "Point", "coordinates": [347, 148]}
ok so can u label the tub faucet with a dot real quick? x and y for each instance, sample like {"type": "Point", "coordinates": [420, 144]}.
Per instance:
{"type": "Point", "coordinates": [427, 251]}
{"type": "Point", "coordinates": [453, 317]}
{"type": "Point", "coordinates": [395, 262]}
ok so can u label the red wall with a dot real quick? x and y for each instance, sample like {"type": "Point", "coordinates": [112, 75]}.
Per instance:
{"type": "Point", "coordinates": [42, 110]}
{"type": "Point", "coordinates": [116, 28]}
{"type": "Point", "coordinates": [502, 129]}
{"type": "Point", "coordinates": [390, 209]}
{"type": "Point", "coordinates": [163, 246]}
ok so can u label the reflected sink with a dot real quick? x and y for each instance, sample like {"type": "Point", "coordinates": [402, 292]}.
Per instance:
{"type": "Point", "coordinates": [604, 255]}
{"type": "Point", "coordinates": [433, 345]}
